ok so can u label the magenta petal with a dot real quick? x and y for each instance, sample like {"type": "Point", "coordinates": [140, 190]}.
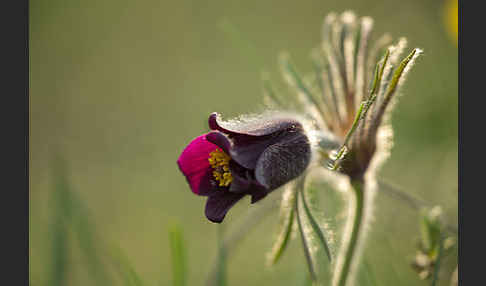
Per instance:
{"type": "Point", "coordinates": [194, 164]}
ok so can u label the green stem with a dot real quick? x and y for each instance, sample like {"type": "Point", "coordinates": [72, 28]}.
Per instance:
{"type": "Point", "coordinates": [358, 223]}
{"type": "Point", "coordinates": [221, 274]}
{"type": "Point", "coordinates": [409, 200]}
{"type": "Point", "coordinates": [236, 234]}
{"type": "Point", "coordinates": [437, 263]}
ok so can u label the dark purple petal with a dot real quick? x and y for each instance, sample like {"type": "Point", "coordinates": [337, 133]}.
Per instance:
{"type": "Point", "coordinates": [194, 164]}
{"type": "Point", "coordinates": [218, 205]}
{"type": "Point", "coordinates": [258, 195]}
{"type": "Point", "coordinates": [207, 185]}
{"type": "Point", "coordinates": [283, 161]}
{"type": "Point", "coordinates": [250, 138]}
{"type": "Point", "coordinates": [220, 140]}
{"type": "Point", "coordinates": [239, 184]}
{"type": "Point", "coordinates": [247, 152]}
{"type": "Point", "coordinates": [252, 127]}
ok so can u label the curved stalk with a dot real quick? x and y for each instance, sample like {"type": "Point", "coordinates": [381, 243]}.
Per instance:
{"type": "Point", "coordinates": [344, 269]}
{"type": "Point", "coordinates": [305, 245]}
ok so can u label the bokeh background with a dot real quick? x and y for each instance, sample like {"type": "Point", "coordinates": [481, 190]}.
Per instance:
{"type": "Point", "coordinates": [118, 88]}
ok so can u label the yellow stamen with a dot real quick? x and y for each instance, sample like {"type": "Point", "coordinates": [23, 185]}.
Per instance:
{"type": "Point", "coordinates": [219, 161]}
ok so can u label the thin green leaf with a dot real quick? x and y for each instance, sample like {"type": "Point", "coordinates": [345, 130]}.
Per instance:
{"type": "Point", "coordinates": [295, 80]}
{"type": "Point", "coordinates": [178, 256]}
{"type": "Point", "coordinates": [125, 269]}
{"type": "Point", "coordinates": [392, 86]}
{"type": "Point", "coordinates": [286, 221]}
{"type": "Point", "coordinates": [60, 204]}
{"type": "Point", "coordinates": [363, 110]}
{"type": "Point", "coordinates": [74, 214]}
{"type": "Point", "coordinates": [305, 244]}
{"type": "Point", "coordinates": [379, 47]}
{"type": "Point", "coordinates": [398, 74]}
{"type": "Point", "coordinates": [375, 88]}
{"type": "Point", "coordinates": [379, 73]}
{"type": "Point", "coordinates": [88, 242]}
{"type": "Point", "coordinates": [315, 226]}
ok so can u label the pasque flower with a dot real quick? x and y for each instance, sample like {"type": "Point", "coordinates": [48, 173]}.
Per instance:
{"type": "Point", "coordinates": [244, 157]}
{"type": "Point", "coordinates": [344, 107]}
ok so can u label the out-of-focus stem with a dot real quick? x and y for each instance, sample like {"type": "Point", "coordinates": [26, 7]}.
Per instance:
{"type": "Point", "coordinates": [357, 218]}
{"type": "Point", "coordinates": [438, 262]}
{"type": "Point", "coordinates": [237, 233]}
{"type": "Point", "coordinates": [409, 200]}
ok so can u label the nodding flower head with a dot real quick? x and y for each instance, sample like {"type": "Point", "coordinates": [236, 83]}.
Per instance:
{"type": "Point", "coordinates": [249, 157]}
{"type": "Point", "coordinates": [351, 91]}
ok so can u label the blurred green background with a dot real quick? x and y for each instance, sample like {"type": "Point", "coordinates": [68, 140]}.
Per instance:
{"type": "Point", "coordinates": [118, 88]}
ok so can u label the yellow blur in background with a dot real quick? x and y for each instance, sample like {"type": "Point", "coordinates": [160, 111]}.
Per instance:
{"type": "Point", "coordinates": [451, 17]}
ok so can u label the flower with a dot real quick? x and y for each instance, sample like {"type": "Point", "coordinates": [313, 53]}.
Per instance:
{"type": "Point", "coordinates": [244, 157]}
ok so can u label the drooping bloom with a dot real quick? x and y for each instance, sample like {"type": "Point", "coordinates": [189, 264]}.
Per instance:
{"type": "Point", "coordinates": [252, 157]}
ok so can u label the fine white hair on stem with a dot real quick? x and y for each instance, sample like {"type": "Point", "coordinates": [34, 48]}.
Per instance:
{"type": "Point", "coordinates": [376, 52]}
{"type": "Point", "coordinates": [384, 145]}
{"type": "Point", "coordinates": [381, 113]}
{"type": "Point", "coordinates": [361, 60]}
{"type": "Point", "coordinates": [395, 52]}
{"type": "Point", "coordinates": [401, 80]}
{"type": "Point", "coordinates": [332, 29]}
{"type": "Point", "coordinates": [349, 30]}
{"type": "Point", "coordinates": [326, 27]}
{"type": "Point", "coordinates": [337, 82]}
{"type": "Point", "coordinates": [346, 237]}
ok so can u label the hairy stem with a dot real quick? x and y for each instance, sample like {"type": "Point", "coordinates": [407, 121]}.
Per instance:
{"type": "Point", "coordinates": [343, 272]}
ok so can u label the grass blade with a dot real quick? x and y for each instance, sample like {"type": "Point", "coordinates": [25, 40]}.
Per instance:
{"type": "Point", "coordinates": [61, 214]}
{"type": "Point", "coordinates": [222, 258]}
{"type": "Point", "coordinates": [71, 213]}
{"type": "Point", "coordinates": [88, 242]}
{"type": "Point", "coordinates": [178, 256]}
{"type": "Point", "coordinates": [123, 266]}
